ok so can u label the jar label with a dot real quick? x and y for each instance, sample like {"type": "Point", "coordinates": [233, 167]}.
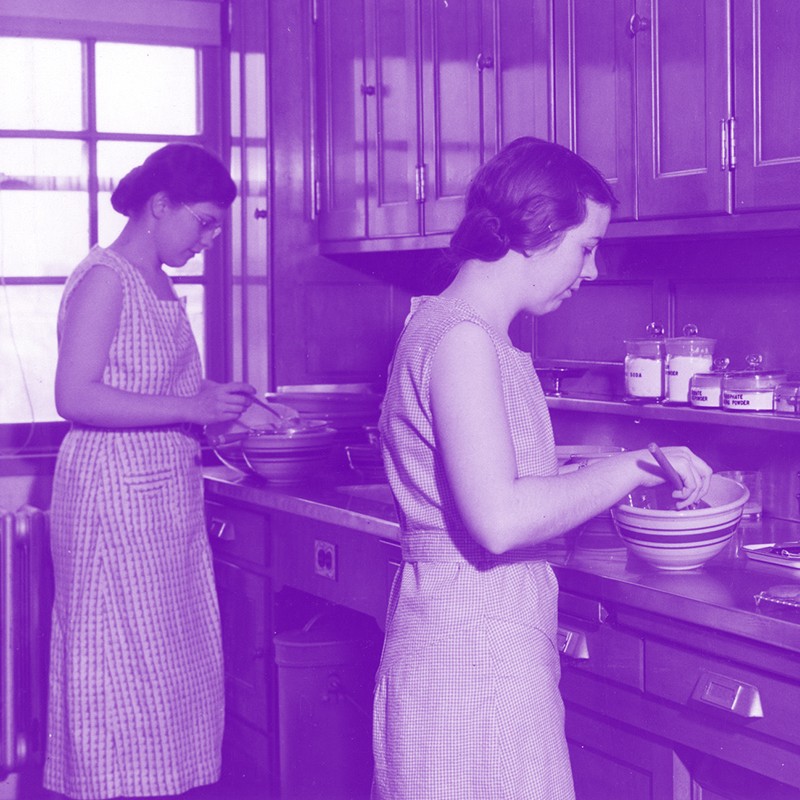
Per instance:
{"type": "Point", "coordinates": [747, 401]}
{"type": "Point", "coordinates": [644, 377]}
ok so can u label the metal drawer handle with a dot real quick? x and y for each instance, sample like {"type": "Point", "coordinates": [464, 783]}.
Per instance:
{"type": "Point", "coordinates": [572, 644]}
{"type": "Point", "coordinates": [728, 694]}
{"type": "Point", "coordinates": [220, 529]}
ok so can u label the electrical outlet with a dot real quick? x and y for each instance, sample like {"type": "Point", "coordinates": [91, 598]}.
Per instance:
{"type": "Point", "coordinates": [325, 559]}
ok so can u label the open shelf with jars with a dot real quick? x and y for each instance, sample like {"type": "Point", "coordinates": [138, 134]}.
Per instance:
{"type": "Point", "coordinates": [759, 420]}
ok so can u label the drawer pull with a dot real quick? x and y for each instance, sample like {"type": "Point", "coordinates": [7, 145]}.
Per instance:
{"type": "Point", "coordinates": [572, 644]}
{"type": "Point", "coordinates": [728, 694]}
{"type": "Point", "coordinates": [220, 529]}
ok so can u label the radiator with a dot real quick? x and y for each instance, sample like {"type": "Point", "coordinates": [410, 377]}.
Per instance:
{"type": "Point", "coordinates": [25, 604]}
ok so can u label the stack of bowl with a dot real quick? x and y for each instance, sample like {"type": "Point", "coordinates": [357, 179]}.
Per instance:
{"type": "Point", "coordinates": [282, 448]}
{"type": "Point", "coordinates": [653, 529]}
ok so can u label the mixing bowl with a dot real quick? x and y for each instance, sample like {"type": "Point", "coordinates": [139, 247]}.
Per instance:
{"type": "Point", "coordinates": [289, 458]}
{"type": "Point", "coordinates": [679, 540]}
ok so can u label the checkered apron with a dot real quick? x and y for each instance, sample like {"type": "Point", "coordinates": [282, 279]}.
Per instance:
{"type": "Point", "coordinates": [136, 685]}
{"type": "Point", "coordinates": [466, 702]}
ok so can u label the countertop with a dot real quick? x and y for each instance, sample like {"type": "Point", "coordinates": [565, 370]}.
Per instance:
{"type": "Point", "coordinates": [594, 562]}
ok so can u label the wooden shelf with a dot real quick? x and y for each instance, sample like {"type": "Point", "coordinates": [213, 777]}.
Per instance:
{"type": "Point", "coordinates": [758, 420]}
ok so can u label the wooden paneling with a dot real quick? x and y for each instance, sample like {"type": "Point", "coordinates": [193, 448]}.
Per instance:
{"type": "Point", "coordinates": [583, 329]}
{"type": "Point", "coordinates": [745, 316]}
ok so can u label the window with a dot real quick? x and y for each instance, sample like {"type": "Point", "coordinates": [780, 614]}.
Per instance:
{"type": "Point", "coordinates": [78, 114]}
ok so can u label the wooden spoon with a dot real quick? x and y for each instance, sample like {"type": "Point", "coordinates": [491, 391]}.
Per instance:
{"type": "Point", "coordinates": [672, 474]}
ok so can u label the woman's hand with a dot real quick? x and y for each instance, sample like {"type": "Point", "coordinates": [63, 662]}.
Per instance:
{"type": "Point", "coordinates": [220, 402]}
{"type": "Point", "coordinates": [694, 472]}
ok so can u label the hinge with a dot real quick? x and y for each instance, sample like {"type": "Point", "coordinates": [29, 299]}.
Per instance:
{"type": "Point", "coordinates": [316, 199]}
{"type": "Point", "coordinates": [419, 189]}
{"type": "Point", "coordinates": [728, 143]}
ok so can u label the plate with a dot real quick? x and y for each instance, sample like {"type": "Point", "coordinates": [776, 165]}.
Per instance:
{"type": "Point", "coordinates": [761, 552]}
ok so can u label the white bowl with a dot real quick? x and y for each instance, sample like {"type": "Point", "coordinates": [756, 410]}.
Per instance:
{"type": "Point", "coordinates": [680, 540]}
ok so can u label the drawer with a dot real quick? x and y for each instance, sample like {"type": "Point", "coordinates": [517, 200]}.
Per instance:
{"type": "Point", "coordinates": [239, 534]}
{"type": "Point", "coordinates": [603, 651]}
{"type": "Point", "coordinates": [723, 690]}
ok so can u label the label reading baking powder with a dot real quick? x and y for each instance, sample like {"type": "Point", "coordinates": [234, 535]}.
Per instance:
{"type": "Point", "coordinates": [747, 401]}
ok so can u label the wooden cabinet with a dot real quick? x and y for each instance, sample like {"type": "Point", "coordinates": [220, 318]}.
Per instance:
{"type": "Point", "coordinates": [666, 710]}
{"type": "Point", "coordinates": [767, 102]}
{"type": "Point", "coordinates": [594, 91]}
{"type": "Point", "coordinates": [642, 93]}
{"type": "Point", "coordinates": [682, 107]}
{"type": "Point", "coordinates": [689, 109]}
{"type": "Point", "coordinates": [416, 98]}
{"type": "Point", "coordinates": [242, 565]}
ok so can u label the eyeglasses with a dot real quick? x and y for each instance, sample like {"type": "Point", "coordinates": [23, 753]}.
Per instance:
{"type": "Point", "coordinates": [205, 224]}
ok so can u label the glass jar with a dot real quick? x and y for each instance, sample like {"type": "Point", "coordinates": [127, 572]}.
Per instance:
{"type": "Point", "coordinates": [750, 390]}
{"type": "Point", "coordinates": [705, 388]}
{"type": "Point", "coordinates": [686, 356]}
{"type": "Point", "coordinates": [644, 369]}
{"type": "Point", "coordinates": [787, 398]}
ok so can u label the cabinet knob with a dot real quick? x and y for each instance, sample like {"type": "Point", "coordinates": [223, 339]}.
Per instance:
{"type": "Point", "coordinates": [260, 213]}
{"type": "Point", "coordinates": [484, 62]}
{"type": "Point", "coordinates": [637, 24]}
{"type": "Point", "coordinates": [367, 90]}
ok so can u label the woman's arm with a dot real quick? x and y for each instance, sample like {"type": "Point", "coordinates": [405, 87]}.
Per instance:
{"type": "Point", "coordinates": [91, 322]}
{"type": "Point", "coordinates": [501, 511]}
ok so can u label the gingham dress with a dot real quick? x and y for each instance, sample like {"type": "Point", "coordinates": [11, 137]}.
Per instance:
{"type": "Point", "coordinates": [466, 702]}
{"type": "Point", "coordinates": [136, 683]}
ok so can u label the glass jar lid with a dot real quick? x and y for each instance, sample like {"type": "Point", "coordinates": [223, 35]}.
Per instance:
{"type": "Point", "coordinates": [753, 380]}
{"type": "Point", "coordinates": [690, 344]}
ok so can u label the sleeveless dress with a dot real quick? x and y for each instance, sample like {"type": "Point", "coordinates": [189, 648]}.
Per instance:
{"type": "Point", "coordinates": [467, 703]}
{"type": "Point", "coordinates": [136, 683]}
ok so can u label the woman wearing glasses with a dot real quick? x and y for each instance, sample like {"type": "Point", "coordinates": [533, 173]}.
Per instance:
{"type": "Point", "coordinates": [136, 682]}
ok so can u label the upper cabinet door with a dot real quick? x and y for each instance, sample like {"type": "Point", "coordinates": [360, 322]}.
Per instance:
{"type": "Point", "coordinates": [516, 73]}
{"type": "Point", "coordinates": [767, 104]}
{"type": "Point", "coordinates": [392, 99]}
{"type": "Point", "coordinates": [452, 130]}
{"type": "Point", "coordinates": [594, 59]}
{"type": "Point", "coordinates": [340, 117]}
{"type": "Point", "coordinates": [682, 106]}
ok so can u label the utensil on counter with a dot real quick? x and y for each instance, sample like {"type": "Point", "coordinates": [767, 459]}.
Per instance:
{"type": "Point", "coordinates": [672, 474]}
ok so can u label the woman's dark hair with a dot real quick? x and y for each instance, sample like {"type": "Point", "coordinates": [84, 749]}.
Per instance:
{"type": "Point", "coordinates": [186, 172]}
{"type": "Point", "coordinates": [524, 198]}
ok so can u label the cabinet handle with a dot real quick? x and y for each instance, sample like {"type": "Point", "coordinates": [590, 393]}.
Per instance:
{"type": "Point", "coordinates": [260, 213]}
{"type": "Point", "coordinates": [484, 62]}
{"type": "Point", "coordinates": [367, 90]}
{"type": "Point", "coordinates": [728, 694]}
{"type": "Point", "coordinates": [572, 644]}
{"type": "Point", "coordinates": [637, 24]}
{"type": "Point", "coordinates": [220, 529]}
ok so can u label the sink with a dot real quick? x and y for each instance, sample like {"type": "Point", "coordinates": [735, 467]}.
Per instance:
{"type": "Point", "coordinates": [375, 492]}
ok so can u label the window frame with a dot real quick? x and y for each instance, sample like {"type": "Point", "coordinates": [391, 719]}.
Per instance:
{"type": "Point", "coordinates": [43, 437]}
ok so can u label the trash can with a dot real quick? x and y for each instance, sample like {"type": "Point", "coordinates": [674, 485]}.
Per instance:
{"type": "Point", "coordinates": [326, 675]}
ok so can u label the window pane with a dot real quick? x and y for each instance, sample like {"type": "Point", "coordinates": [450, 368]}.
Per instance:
{"type": "Point", "coordinates": [44, 207]}
{"type": "Point", "coordinates": [41, 84]}
{"type": "Point", "coordinates": [28, 352]}
{"type": "Point", "coordinates": [146, 89]}
{"type": "Point", "coordinates": [195, 307]}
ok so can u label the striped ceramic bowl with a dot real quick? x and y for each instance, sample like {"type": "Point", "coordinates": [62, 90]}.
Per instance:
{"type": "Point", "coordinates": [680, 540]}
